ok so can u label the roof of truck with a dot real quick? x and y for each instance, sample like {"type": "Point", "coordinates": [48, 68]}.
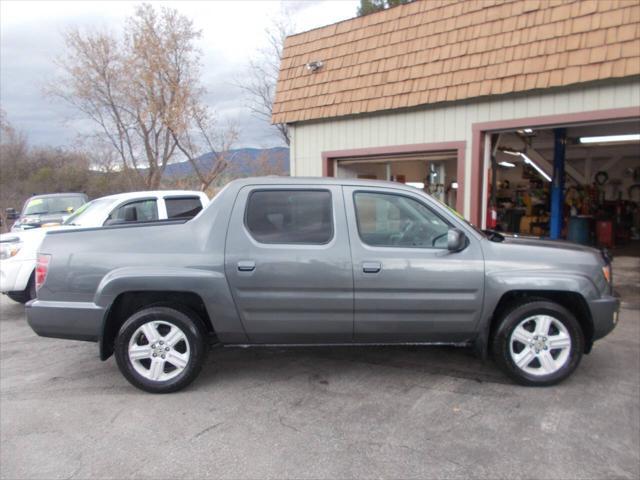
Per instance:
{"type": "Point", "coordinates": [276, 180]}
{"type": "Point", "coordinates": [63, 194]}
{"type": "Point", "coordinates": [152, 193]}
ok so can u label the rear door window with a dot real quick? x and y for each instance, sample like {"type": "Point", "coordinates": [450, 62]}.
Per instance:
{"type": "Point", "coordinates": [290, 216]}
{"type": "Point", "coordinates": [182, 207]}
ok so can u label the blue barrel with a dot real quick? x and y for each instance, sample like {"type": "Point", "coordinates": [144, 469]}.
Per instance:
{"type": "Point", "coordinates": [578, 230]}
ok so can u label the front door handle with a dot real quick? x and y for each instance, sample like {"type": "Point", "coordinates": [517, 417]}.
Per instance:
{"type": "Point", "coordinates": [371, 267]}
{"type": "Point", "coordinates": [246, 266]}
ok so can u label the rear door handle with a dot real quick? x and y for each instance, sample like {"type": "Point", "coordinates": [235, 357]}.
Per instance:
{"type": "Point", "coordinates": [371, 267]}
{"type": "Point", "coordinates": [246, 266]}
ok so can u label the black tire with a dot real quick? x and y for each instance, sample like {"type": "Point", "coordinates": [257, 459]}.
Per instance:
{"type": "Point", "coordinates": [23, 296]}
{"type": "Point", "coordinates": [186, 321]}
{"type": "Point", "coordinates": [512, 317]}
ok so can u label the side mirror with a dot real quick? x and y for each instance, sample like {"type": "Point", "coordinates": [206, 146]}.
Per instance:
{"type": "Point", "coordinates": [130, 213]}
{"type": "Point", "coordinates": [456, 240]}
{"type": "Point", "coordinates": [12, 214]}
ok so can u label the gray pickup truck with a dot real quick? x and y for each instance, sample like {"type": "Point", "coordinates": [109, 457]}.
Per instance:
{"type": "Point", "coordinates": [293, 261]}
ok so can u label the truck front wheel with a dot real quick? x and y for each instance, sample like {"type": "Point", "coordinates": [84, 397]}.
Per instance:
{"type": "Point", "coordinates": [160, 350]}
{"type": "Point", "coordinates": [29, 293]}
{"type": "Point", "coordinates": [538, 343]}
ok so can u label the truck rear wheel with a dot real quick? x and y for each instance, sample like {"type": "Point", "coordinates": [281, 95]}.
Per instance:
{"type": "Point", "coordinates": [160, 349]}
{"type": "Point", "coordinates": [538, 343]}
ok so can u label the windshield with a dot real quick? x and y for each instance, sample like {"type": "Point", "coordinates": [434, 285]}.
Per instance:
{"type": "Point", "coordinates": [461, 217]}
{"type": "Point", "coordinates": [89, 214]}
{"type": "Point", "coordinates": [44, 205]}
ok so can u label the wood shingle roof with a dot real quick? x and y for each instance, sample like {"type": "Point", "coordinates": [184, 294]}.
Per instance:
{"type": "Point", "coordinates": [431, 51]}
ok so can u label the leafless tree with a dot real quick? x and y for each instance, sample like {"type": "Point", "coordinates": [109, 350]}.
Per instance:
{"type": "Point", "coordinates": [142, 89]}
{"type": "Point", "coordinates": [13, 155]}
{"type": "Point", "coordinates": [269, 164]}
{"type": "Point", "coordinates": [262, 73]}
{"type": "Point", "coordinates": [199, 132]}
{"type": "Point", "coordinates": [25, 171]}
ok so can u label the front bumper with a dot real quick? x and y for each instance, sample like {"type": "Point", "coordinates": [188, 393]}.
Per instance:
{"type": "Point", "coordinates": [15, 274]}
{"type": "Point", "coordinates": [71, 320]}
{"type": "Point", "coordinates": [604, 312]}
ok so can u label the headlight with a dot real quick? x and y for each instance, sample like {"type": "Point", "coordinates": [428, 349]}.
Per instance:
{"type": "Point", "coordinates": [9, 249]}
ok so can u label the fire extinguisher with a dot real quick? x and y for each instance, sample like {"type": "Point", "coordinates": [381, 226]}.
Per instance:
{"type": "Point", "coordinates": [492, 217]}
{"type": "Point", "coordinates": [492, 212]}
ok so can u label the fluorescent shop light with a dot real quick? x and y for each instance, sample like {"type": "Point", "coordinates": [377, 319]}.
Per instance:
{"type": "Point", "coordinates": [528, 161]}
{"type": "Point", "coordinates": [631, 137]}
{"type": "Point", "coordinates": [507, 164]}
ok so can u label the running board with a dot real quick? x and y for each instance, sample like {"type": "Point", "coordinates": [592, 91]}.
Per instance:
{"type": "Point", "coordinates": [354, 344]}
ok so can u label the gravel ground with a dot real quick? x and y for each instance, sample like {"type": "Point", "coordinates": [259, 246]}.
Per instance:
{"type": "Point", "coordinates": [321, 412]}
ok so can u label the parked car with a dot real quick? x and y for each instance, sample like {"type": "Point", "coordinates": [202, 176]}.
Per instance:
{"type": "Point", "coordinates": [18, 250]}
{"type": "Point", "coordinates": [284, 261]}
{"type": "Point", "coordinates": [50, 209]}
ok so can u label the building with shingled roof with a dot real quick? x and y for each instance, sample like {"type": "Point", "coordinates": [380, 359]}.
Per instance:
{"type": "Point", "coordinates": [492, 106]}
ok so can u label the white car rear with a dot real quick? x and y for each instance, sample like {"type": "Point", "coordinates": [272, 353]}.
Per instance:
{"type": "Point", "coordinates": [18, 250]}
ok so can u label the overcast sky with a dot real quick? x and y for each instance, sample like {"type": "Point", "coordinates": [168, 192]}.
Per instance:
{"type": "Point", "coordinates": [232, 31]}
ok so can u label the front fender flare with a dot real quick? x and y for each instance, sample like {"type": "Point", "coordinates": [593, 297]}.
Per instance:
{"type": "Point", "coordinates": [498, 284]}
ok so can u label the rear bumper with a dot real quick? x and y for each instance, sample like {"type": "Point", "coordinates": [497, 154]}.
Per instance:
{"type": "Point", "coordinates": [604, 312]}
{"type": "Point", "coordinates": [71, 320]}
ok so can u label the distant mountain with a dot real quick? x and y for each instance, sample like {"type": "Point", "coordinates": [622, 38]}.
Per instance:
{"type": "Point", "coordinates": [242, 162]}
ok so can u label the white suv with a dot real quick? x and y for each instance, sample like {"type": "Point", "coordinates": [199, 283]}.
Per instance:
{"type": "Point", "coordinates": [18, 250]}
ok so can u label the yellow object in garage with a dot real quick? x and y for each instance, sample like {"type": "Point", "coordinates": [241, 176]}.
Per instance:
{"type": "Point", "coordinates": [525, 224]}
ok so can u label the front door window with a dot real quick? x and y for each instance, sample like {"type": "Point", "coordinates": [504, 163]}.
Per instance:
{"type": "Point", "coordinates": [388, 220]}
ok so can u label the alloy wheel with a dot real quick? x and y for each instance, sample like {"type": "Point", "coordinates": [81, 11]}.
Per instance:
{"type": "Point", "coordinates": [159, 350]}
{"type": "Point", "coordinates": [540, 345]}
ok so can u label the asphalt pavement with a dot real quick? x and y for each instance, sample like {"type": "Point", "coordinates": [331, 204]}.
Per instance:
{"type": "Point", "coordinates": [320, 412]}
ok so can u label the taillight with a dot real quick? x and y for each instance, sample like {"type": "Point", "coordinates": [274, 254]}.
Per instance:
{"type": "Point", "coordinates": [42, 267]}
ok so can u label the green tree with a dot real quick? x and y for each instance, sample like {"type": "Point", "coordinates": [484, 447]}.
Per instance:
{"type": "Point", "coordinates": [371, 6]}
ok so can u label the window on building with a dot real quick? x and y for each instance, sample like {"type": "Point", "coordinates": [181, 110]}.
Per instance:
{"type": "Point", "coordinates": [387, 220]}
{"type": "Point", "coordinates": [290, 216]}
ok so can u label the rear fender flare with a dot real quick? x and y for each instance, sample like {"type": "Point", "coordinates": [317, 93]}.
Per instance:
{"type": "Point", "coordinates": [210, 286]}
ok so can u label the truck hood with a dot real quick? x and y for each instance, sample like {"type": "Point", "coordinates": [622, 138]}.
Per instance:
{"type": "Point", "coordinates": [36, 221]}
{"type": "Point", "coordinates": [23, 235]}
{"type": "Point", "coordinates": [33, 234]}
{"type": "Point", "coordinates": [543, 243]}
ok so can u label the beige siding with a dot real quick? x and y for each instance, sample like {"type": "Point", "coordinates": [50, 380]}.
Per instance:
{"type": "Point", "coordinates": [446, 123]}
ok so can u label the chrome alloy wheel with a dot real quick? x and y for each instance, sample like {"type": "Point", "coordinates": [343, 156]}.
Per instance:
{"type": "Point", "coordinates": [540, 345]}
{"type": "Point", "coordinates": [159, 350]}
